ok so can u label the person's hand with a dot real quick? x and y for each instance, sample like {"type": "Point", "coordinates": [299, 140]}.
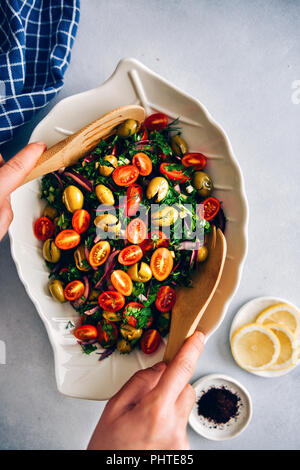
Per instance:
{"type": "Point", "coordinates": [151, 411]}
{"type": "Point", "coordinates": [12, 174]}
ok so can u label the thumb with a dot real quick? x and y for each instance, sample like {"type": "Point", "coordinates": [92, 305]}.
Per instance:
{"type": "Point", "coordinates": [141, 383]}
{"type": "Point", "coordinates": [13, 173]}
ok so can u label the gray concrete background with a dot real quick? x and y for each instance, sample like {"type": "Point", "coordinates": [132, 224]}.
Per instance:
{"type": "Point", "coordinates": [240, 59]}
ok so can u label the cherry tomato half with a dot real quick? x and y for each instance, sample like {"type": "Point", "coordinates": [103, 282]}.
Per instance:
{"type": "Point", "coordinates": [81, 220]}
{"type": "Point", "coordinates": [196, 160]}
{"type": "Point", "coordinates": [131, 254]}
{"type": "Point", "coordinates": [143, 163]}
{"type": "Point", "coordinates": [67, 239]}
{"type": "Point", "coordinates": [74, 290]}
{"type": "Point", "coordinates": [134, 197]}
{"type": "Point", "coordinates": [156, 122]}
{"type": "Point", "coordinates": [125, 175]}
{"type": "Point", "coordinates": [111, 300]}
{"type": "Point", "coordinates": [107, 333]}
{"type": "Point", "coordinates": [121, 282]}
{"type": "Point", "coordinates": [99, 253]}
{"type": "Point", "coordinates": [86, 332]}
{"type": "Point", "coordinates": [150, 341]}
{"type": "Point", "coordinates": [43, 228]}
{"type": "Point", "coordinates": [172, 172]}
{"type": "Point", "coordinates": [155, 239]}
{"type": "Point", "coordinates": [161, 263]}
{"type": "Point", "coordinates": [136, 231]}
{"type": "Point", "coordinates": [211, 207]}
{"type": "Point", "coordinates": [165, 299]}
{"type": "Point", "coordinates": [131, 319]}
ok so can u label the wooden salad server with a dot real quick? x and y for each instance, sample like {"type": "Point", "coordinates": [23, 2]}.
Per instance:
{"type": "Point", "coordinates": [191, 303]}
{"type": "Point", "coordinates": [68, 151]}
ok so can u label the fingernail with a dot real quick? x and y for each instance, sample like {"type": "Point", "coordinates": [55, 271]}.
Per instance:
{"type": "Point", "coordinates": [159, 366]}
{"type": "Point", "coordinates": [39, 142]}
{"type": "Point", "coordinates": [200, 335]}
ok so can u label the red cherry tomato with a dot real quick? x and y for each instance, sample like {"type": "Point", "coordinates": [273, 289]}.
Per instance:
{"type": "Point", "coordinates": [143, 163]}
{"type": "Point", "coordinates": [156, 122]}
{"type": "Point", "coordinates": [131, 254]}
{"type": "Point", "coordinates": [131, 319]}
{"type": "Point", "coordinates": [74, 290]}
{"type": "Point", "coordinates": [125, 175]}
{"type": "Point", "coordinates": [196, 160]}
{"type": "Point", "coordinates": [43, 228]}
{"type": "Point", "coordinates": [67, 239]}
{"type": "Point", "coordinates": [150, 341]}
{"type": "Point", "coordinates": [211, 207]}
{"type": "Point", "coordinates": [107, 333]}
{"type": "Point", "coordinates": [81, 220]}
{"type": "Point", "coordinates": [121, 282]}
{"type": "Point", "coordinates": [136, 231]}
{"type": "Point", "coordinates": [161, 263]}
{"type": "Point", "coordinates": [170, 170]}
{"type": "Point", "coordinates": [99, 253]}
{"type": "Point", "coordinates": [86, 332]}
{"type": "Point", "coordinates": [134, 197]}
{"type": "Point", "coordinates": [155, 239]}
{"type": "Point", "coordinates": [111, 300]}
{"type": "Point", "coordinates": [165, 299]}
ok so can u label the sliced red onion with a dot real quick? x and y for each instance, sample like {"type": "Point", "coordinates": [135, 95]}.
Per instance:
{"type": "Point", "coordinates": [86, 343]}
{"type": "Point", "coordinates": [192, 260]}
{"type": "Point", "coordinates": [142, 298]}
{"type": "Point", "coordinates": [92, 311]}
{"type": "Point", "coordinates": [109, 265]}
{"type": "Point", "coordinates": [85, 183]}
{"type": "Point", "coordinates": [58, 179]}
{"type": "Point", "coordinates": [177, 188]}
{"type": "Point", "coordinates": [97, 239]}
{"type": "Point", "coordinates": [61, 170]}
{"type": "Point", "coordinates": [106, 353]}
{"type": "Point", "coordinates": [189, 245]}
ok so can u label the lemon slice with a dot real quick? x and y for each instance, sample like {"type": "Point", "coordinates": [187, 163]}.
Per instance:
{"type": "Point", "coordinates": [288, 347]}
{"type": "Point", "coordinates": [282, 314]}
{"type": "Point", "coordinates": [255, 347]}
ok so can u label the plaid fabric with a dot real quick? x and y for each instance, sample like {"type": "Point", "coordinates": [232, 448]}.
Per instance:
{"type": "Point", "coordinates": [36, 37]}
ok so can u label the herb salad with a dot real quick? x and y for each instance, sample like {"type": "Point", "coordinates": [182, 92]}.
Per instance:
{"type": "Point", "coordinates": [123, 228]}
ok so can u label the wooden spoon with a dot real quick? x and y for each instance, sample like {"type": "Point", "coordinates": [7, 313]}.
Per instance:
{"type": "Point", "coordinates": [191, 302]}
{"type": "Point", "coordinates": [68, 151]}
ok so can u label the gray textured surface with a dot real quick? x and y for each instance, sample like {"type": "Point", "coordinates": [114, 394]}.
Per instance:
{"type": "Point", "coordinates": [240, 59]}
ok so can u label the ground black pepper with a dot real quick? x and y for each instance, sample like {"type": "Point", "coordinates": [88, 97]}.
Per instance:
{"type": "Point", "coordinates": [218, 405]}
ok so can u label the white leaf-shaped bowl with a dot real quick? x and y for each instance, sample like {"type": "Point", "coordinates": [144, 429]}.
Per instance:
{"type": "Point", "coordinates": [77, 374]}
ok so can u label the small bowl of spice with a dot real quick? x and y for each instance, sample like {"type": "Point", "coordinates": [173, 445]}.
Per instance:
{"type": "Point", "coordinates": [222, 409]}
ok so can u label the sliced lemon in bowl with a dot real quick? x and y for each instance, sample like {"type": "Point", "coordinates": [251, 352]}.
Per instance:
{"type": "Point", "coordinates": [281, 314]}
{"type": "Point", "coordinates": [255, 347]}
{"type": "Point", "coordinates": [288, 347]}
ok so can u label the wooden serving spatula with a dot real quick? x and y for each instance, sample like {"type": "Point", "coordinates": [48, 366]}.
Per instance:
{"type": "Point", "coordinates": [191, 303]}
{"type": "Point", "coordinates": [68, 151]}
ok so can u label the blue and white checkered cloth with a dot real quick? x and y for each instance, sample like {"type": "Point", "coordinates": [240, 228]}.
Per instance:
{"type": "Point", "coordinates": [36, 37]}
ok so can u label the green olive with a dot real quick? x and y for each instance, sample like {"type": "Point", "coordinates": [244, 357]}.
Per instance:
{"type": "Point", "coordinates": [127, 128]}
{"type": "Point", "coordinates": [108, 223]}
{"type": "Point", "coordinates": [140, 272]}
{"type": "Point", "coordinates": [72, 198]}
{"type": "Point", "coordinates": [165, 217]}
{"type": "Point", "coordinates": [179, 145]}
{"type": "Point", "coordinates": [203, 183]}
{"type": "Point", "coordinates": [111, 316]}
{"type": "Point", "coordinates": [157, 189]}
{"type": "Point", "coordinates": [129, 332]}
{"type": "Point", "coordinates": [80, 259]}
{"type": "Point", "coordinates": [50, 251]}
{"type": "Point", "coordinates": [104, 195]}
{"type": "Point", "coordinates": [123, 346]}
{"type": "Point", "coordinates": [202, 254]}
{"type": "Point", "coordinates": [56, 289]}
{"type": "Point", "coordinates": [50, 212]}
{"type": "Point", "coordinates": [106, 170]}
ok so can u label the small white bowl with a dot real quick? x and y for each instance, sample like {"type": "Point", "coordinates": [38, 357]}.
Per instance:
{"type": "Point", "coordinates": [221, 432]}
